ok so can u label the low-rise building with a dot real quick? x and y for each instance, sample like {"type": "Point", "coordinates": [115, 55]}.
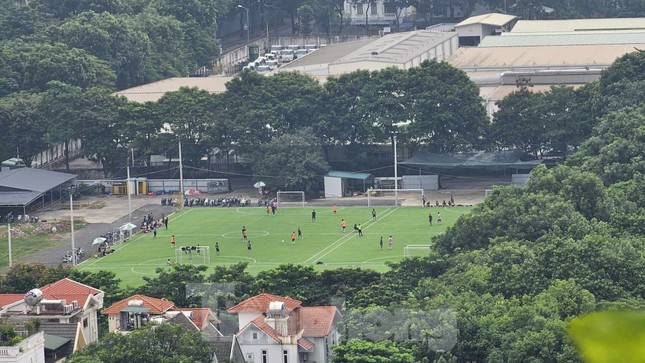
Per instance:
{"type": "Point", "coordinates": [67, 312]}
{"type": "Point", "coordinates": [279, 329]}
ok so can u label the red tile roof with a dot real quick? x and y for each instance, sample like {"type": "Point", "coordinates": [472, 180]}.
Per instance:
{"type": "Point", "coordinates": [69, 290]}
{"type": "Point", "coordinates": [201, 316]}
{"type": "Point", "coordinates": [156, 306]}
{"type": "Point", "coordinates": [306, 344]}
{"type": "Point", "coordinates": [6, 299]}
{"type": "Point", "coordinates": [266, 328]}
{"type": "Point", "coordinates": [317, 321]}
{"type": "Point", "coordinates": [260, 303]}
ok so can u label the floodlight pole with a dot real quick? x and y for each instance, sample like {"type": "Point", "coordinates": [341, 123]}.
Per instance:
{"type": "Point", "coordinates": [127, 190]}
{"type": "Point", "coordinates": [181, 173]}
{"type": "Point", "coordinates": [9, 236]}
{"type": "Point", "coordinates": [71, 217]}
{"type": "Point", "coordinates": [396, 176]}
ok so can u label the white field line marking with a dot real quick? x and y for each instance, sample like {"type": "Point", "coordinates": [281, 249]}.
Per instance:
{"type": "Point", "coordinates": [341, 241]}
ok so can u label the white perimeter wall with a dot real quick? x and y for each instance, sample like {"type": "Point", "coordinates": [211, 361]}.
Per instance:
{"type": "Point", "coordinates": [333, 187]}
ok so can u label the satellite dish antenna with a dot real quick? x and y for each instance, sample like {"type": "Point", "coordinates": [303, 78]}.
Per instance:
{"type": "Point", "coordinates": [33, 297]}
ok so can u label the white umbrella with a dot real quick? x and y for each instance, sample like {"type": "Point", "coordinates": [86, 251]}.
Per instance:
{"type": "Point", "coordinates": [98, 241]}
{"type": "Point", "coordinates": [259, 185]}
{"type": "Point", "coordinates": [128, 227]}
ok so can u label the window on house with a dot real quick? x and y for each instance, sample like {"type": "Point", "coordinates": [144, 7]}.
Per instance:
{"type": "Point", "coordinates": [265, 359]}
{"type": "Point", "coordinates": [85, 323]}
{"type": "Point", "coordinates": [249, 358]}
{"type": "Point", "coordinates": [285, 356]}
{"type": "Point", "coordinates": [255, 336]}
{"type": "Point", "coordinates": [359, 9]}
{"type": "Point", "coordinates": [373, 8]}
{"type": "Point", "coordinates": [389, 8]}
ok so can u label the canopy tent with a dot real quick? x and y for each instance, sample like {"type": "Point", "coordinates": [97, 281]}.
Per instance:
{"type": "Point", "coordinates": [495, 160]}
{"type": "Point", "coordinates": [128, 227]}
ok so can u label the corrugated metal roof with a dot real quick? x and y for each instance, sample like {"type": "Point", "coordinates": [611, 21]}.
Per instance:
{"type": "Point", "coordinates": [397, 48]}
{"type": "Point", "coordinates": [348, 175]}
{"type": "Point", "coordinates": [488, 19]}
{"type": "Point", "coordinates": [532, 40]}
{"type": "Point", "coordinates": [30, 179]}
{"type": "Point", "coordinates": [498, 93]}
{"type": "Point", "coordinates": [18, 198]}
{"type": "Point", "coordinates": [539, 57]}
{"type": "Point", "coordinates": [152, 92]}
{"type": "Point", "coordinates": [326, 55]}
{"type": "Point", "coordinates": [577, 25]}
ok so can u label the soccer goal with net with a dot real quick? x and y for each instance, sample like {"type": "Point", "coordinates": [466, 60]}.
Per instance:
{"type": "Point", "coordinates": [197, 255]}
{"type": "Point", "coordinates": [416, 250]}
{"type": "Point", "coordinates": [401, 197]}
{"type": "Point", "coordinates": [290, 198]}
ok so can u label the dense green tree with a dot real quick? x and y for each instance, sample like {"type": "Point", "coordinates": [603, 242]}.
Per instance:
{"type": "Point", "coordinates": [299, 282]}
{"type": "Point", "coordinates": [361, 351]}
{"type": "Point", "coordinates": [114, 38]}
{"type": "Point", "coordinates": [626, 200]}
{"type": "Point", "coordinates": [188, 115]}
{"type": "Point", "coordinates": [518, 122]}
{"type": "Point", "coordinates": [21, 118]}
{"type": "Point", "coordinates": [292, 161]}
{"type": "Point", "coordinates": [448, 115]}
{"type": "Point", "coordinates": [171, 284]}
{"type": "Point", "coordinates": [342, 284]}
{"type": "Point", "coordinates": [615, 151]}
{"type": "Point", "coordinates": [244, 284]}
{"type": "Point", "coordinates": [164, 343]}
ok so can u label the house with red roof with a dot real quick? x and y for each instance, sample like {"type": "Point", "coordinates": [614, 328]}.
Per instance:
{"type": "Point", "coordinates": [279, 329]}
{"type": "Point", "coordinates": [67, 311]}
{"type": "Point", "coordinates": [135, 311]}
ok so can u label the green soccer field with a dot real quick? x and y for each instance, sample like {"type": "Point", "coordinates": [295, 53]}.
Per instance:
{"type": "Point", "coordinates": [324, 245]}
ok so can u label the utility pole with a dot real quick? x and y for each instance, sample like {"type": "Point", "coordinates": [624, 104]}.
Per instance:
{"type": "Point", "coordinates": [9, 235]}
{"type": "Point", "coordinates": [127, 190]}
{"type": "Point", "coordinates": [71, 217]}
{"type": "Point", "coordinates": [181, 172]}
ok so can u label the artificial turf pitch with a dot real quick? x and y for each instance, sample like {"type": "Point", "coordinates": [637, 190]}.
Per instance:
{"type": "Point", "coordinates": [324, 245]}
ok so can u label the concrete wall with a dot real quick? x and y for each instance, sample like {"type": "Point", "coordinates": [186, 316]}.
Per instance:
{"type": "Point", "coordinates": [30, 350]}
{"type": "Point", "coordinates": [426, 182]}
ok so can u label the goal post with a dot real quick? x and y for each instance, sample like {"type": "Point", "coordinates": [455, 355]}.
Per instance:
{"type": "Point", "coordinates": [290, 198]}
{"type": "Point", "coordinates": [417, 250]}
{"type": "Point", "coordinates": [197, 255]}
{"type": "Point", "coordinates": [400, 197]}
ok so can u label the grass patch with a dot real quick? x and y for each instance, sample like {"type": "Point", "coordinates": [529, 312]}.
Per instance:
{"type": "Point", "coordinates": [324, 244]}
{"type": "Point", "coordinates": [30, 238]}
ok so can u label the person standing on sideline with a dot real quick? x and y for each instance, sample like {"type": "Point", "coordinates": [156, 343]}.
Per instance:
{"type": "Point", "coordinates": [373, 214]}
{"type": "Point", "coordinates": [154, 232]}
{"type": "Point", "coordinates": [248, 246]}
{"type": "Point", "coordinates": [172, 241]}
{"type": "Point", "coordinates": [381, 242]}
{"type": "Point", "coordinates": [268, 210]}
{"type": "Point", "coordinates": [360, 230]}
{"type": "Point", "coordinates": [438, 217]}
{"type": "Point", "coordinates": [389, 242]}
{"type": "Point", "coordinates": [244, 235]}
{"type": "Point", "coordinates": [430, 218]}
{"type": "Point", "coordinates": [299, 233]}
{"type": "Point", "coordinates": [169, 263]}
{"type": "Point", "coordinates": [423, 200]}
{"type": "Point", "coordinates": [217, 248]}
{"type": "Point", "coordinates": [165, 222]}
{"type": "Point", "coordinates": [333, 208]}
{"type": "Point", "coordinates": [293, 238]}
{"type": "Point", "coordinates": [313, 215]}
{"type": "Point", "coordinates": [343, 224]}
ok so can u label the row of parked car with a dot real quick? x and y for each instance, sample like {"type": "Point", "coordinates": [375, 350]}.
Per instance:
{"type": "Point", "coordinates": [279, 55]}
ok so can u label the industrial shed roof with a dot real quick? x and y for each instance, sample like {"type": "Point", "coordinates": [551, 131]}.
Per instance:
{"type": "Point", "coordinates": [495, 19]}
{"type": "Point", "coordinates": [539, 57]}
{"type": "Point", "coordinates": [570, 38]}
{"type": "Point", "coordinates": [578, 25]}
{"type": "Point", "coordinates": [397, 48]}
{"type": "Point", "coordinates": [153, 91]}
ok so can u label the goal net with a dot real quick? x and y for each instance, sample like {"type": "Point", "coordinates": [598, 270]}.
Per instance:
{"type": "Point", "coordinates": [402, 197]}
{"type": "Point", "coordinates": [291, 199]}
{"type": "Point", "coordinates": [416, 250]}
{"type": "Point", "coordinates": [196, 255]}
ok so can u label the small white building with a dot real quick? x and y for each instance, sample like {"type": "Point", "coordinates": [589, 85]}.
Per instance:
{"type": "Point", "coordinates": [68, 314]}
{"type": "Point", "coordinates": [378, 13]}
{"type": "Point", "coordinates": [472, 30]}
{"type": "Point", "coordinates": [30, 350]}
{"type": "Point", "coordinates": [278, 329]}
